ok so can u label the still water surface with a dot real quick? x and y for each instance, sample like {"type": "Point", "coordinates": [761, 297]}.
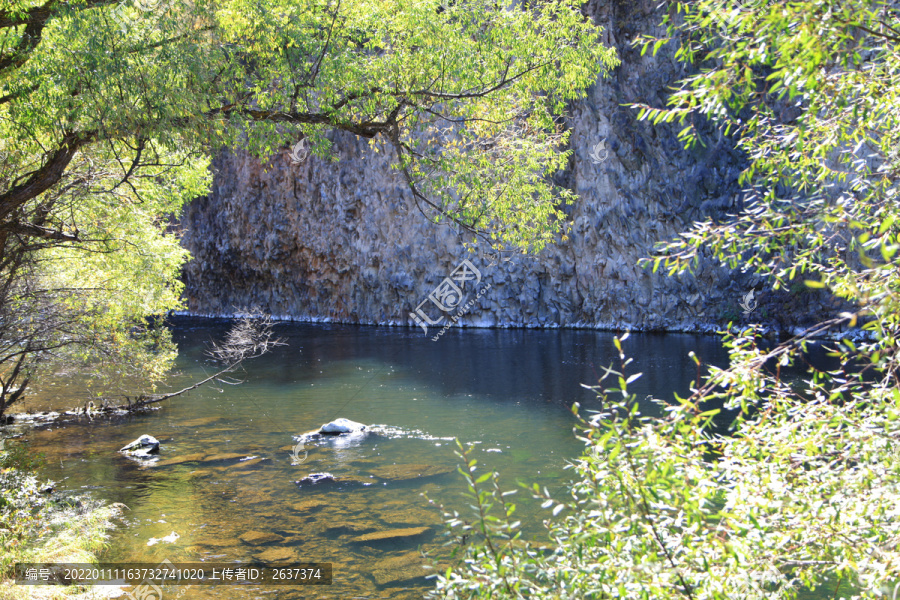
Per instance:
{"type": "Point", "coordinates": [225, 472]}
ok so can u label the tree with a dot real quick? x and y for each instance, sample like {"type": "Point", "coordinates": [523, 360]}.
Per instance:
{"type": "Point", "coordinates": [803, 493]}
{"type": "Point", "coordinates": [109, 113]}
{"type": "Point", "coordinates": [251, 336]}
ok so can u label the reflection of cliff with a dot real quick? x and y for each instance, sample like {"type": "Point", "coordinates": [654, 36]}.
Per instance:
{"type": "Point", "coordinates": [341, 241]}
{"type": "Point", "coordinates": [507, 366]}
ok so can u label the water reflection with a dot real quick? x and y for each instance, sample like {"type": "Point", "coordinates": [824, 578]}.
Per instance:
{"type": "Point", "coordinates": [225, 479]}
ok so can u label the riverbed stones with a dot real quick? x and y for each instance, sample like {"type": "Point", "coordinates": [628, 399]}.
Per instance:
{"type": "Point", "coordinates": [391, 535]}
{"type": "Point", "coordinates": [249, 462]}
{"type": "Point", "coordinates": [260, 538]}
{"type": "Point", "coordinates": [354, 527]}
{"type": "Point", "coordinates": [410, 472]}
{"type": "Point", "coordinates": [400, 569]}
{"type": "Point", "coordinates": [277, 555]}
{"type": "Point", "coordinates": [142, 447]}
{"type": "Point", "coordinates": [339, 426]}
{"type": "Point", "coordinates": [223, 456]}
{"type": "Point", "coordinates": [309, 506]}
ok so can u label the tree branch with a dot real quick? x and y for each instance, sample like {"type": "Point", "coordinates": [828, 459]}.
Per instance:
{"type": "Point", "coordinates": [46, 176]}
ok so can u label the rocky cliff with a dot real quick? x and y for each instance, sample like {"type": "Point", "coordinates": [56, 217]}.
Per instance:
{"type": "Point", "coordinates": [342, 241]}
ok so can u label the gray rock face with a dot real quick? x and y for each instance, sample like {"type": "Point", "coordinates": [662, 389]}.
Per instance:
{"type": "Point", "coordinates": [144, 446]}
{"type": "Point", "coordinates": [342, 241]}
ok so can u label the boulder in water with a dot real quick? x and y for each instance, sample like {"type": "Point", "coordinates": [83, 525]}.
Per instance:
{"type": "Point", "coordinates": [342, 425]}
{"type": "Point", "coordinates": [328, 480]}
{"type": "Point", "coordinates": [314, 478]}
{"type": "Point", "coordinates": [142, 447]}
{"type": "Point", "coordinates": [391, 535]}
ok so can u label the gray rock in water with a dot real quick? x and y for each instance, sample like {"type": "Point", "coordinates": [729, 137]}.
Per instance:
{"type": "Point", "coordinates": [328, 480]}
{"type": "Point", "coordinates": [339, 426]}
{"type": "Point", "coordinates": [314, 478]}
{"type": "Point", "coordinates": [141, 447]}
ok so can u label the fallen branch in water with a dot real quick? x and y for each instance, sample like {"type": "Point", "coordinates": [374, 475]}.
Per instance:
{"type": "Point", "coordinates": [249, 338]}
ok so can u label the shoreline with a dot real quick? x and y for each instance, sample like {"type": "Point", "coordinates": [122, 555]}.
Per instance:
{"type": "Point", "coordinates": [61, 526]}
{"type": "Point", "coordinates": [700, 329]}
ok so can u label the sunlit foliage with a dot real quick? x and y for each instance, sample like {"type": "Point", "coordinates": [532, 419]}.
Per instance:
{"type": "Point", "coordinates": [109, 112]}
{"type": "Point", "coordinates": [804, 493]}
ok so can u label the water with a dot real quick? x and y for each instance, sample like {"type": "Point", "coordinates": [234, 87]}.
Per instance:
{"type": "Point", "coordinates": [507, 392]}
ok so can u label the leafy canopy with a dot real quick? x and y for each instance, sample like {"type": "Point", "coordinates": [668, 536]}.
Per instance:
{"type": "Point", "coordinates": [109, 112]}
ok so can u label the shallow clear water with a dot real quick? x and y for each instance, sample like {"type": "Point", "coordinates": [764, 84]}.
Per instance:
{"type": "Point", "coordinates": [508, 392]}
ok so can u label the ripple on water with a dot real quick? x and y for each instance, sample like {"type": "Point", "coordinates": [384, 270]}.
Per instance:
{"type": "Point", "coordinates": [227, 464]}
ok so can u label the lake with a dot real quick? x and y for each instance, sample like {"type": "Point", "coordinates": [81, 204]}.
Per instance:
{"type": "Point", "coordinates": [224, 483]}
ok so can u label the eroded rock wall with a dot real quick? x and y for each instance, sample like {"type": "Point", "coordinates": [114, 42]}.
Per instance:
{"type": "Point", "coordinates": [342, 241]}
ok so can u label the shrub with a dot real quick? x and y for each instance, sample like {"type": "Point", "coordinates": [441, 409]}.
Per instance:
{"type": "Point", "coordinates": [802, 495]}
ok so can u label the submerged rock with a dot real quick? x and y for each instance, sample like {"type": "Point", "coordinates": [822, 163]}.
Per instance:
{"type": "Point", "coordinates": [339, 426]}
{"type": "Point", "coordinates": [400, 569]}
{"type": "Point", "coordinates": [224, 456]}
{"type": "Point", "coordinates": [258, 538]}
{"type": "Point", "coordinates": [354, 527]}
{"type": "Point", "coordinates": [277, 555]}
{"type": "Point", "coordinates": [196, 457]}
{"type": "Point", "coordinates": [327, 479]}
{"type": "Point", "coordinates": [141, 447]}
{"type": "Point", "coordinates": [391, 535]}
{"type": "Point", "coordinates": [309, 506]}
